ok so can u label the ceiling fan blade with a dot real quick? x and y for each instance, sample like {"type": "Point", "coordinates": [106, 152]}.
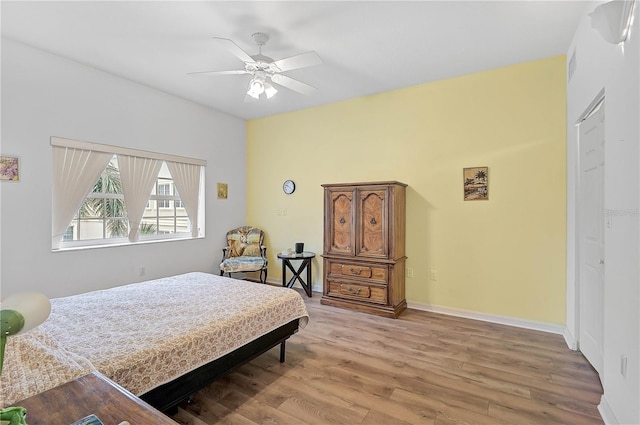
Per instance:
{"type": "Point", "coordinates": [249, 99]}
{"type": "Point", "coordinates": [299, 61]}
{"type": "Point", "coordinates": [234, 48]}
{"type": "Point", "coordinates": [292, 84]}
{"type": "Point", "coordinates": [214, 73]}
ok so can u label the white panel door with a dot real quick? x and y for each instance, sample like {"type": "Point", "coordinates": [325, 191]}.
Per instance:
{"type": "Point", "coordinates": [591, 215]}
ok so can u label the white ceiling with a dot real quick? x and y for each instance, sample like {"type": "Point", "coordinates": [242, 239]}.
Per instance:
{"type": "Point", "coordinates": [367, 46]}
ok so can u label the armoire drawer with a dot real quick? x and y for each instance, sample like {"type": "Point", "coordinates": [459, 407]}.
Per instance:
{"type": "Point", "coordinates": [358, 291]}
{"type": "Point", "coordinates": [372, 272]}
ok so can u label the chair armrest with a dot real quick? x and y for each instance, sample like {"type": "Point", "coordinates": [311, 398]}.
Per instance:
{"type": "Point", "coordinates": [263, 252]}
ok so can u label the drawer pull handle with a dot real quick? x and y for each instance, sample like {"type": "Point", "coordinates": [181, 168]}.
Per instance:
{"type": "Point", "coordinates": [373, 221]}
{"type": "Point", "coordinates": [342, 220]}
{"type": "Point", "coordinates": [356, 272]}
{"type": "Point", "coordinates": [355, 291]}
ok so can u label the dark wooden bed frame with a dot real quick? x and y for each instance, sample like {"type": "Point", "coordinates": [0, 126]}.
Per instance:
{"type": "Point", "coordinates": [167, 396]}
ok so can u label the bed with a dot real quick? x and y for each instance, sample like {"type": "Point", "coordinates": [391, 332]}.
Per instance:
{"type": "Point", "coordinates": [162, 339]}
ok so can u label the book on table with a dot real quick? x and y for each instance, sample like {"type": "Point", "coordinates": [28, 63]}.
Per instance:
{"type": "Point", "coordinates": [88, 420]}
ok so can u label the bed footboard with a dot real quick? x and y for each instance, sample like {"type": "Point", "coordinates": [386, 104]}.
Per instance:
{"type": "Point", "coordinates": [167, 396]}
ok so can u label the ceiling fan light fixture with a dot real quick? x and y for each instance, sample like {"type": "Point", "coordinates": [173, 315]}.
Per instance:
{"type": "Point", "coordinates": [256, 88]}
{"type": "Point", "coordinates": [264, 70]}
{"type": "Point", "coordinates": [269, 90]}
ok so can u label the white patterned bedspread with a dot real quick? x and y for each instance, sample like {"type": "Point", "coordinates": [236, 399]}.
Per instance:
{"type": "Point", "coordinates": [146, 334]}
{"type": "Point", "coordinates": [35, 362]}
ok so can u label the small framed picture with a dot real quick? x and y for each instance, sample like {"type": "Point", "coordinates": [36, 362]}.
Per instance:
{"type": "Point", "coordinates": [476, 183]}
{"type": "Point", "coordinates": [222, 190]}
{"type": "Point", "coordinates": [9, 168]}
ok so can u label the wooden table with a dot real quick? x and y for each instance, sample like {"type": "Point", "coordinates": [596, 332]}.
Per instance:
{"type": "Point", "coordinates": [93, 393]}
{"type": "Point", "coordinates": [306, 258]}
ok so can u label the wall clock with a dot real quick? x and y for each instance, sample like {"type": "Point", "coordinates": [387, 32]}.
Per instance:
{"type": "Point", "coordinates": [288, 187]}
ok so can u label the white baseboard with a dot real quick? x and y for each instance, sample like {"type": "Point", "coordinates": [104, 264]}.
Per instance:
{"type": "Point", "coordinates": [571, 341]}
{"type": "Point", "coordinates": [605, 411]}
{"type": "Point", "coordinates": [503, 320]}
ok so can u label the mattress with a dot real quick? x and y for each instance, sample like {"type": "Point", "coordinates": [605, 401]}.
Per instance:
{"type": "Point", "coordinates": [146, 334]}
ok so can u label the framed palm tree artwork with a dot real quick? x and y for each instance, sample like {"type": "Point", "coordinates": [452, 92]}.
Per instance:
{"type": "Point", "coordinates": [476, 183]}
{"type": "Point", "coordinates": [223, 190]}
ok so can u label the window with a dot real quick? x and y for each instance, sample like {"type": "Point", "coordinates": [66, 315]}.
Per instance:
{"type": "Point", "coordinates": [68, 235]}
{"type": "Point", "coordinates": [131, 196]}
{"type": "Point", "coordinates": [102, 214]}
{"type": "Point", "coordinates": [163, 189]}
{"type": "Point", "coordinates": [165, 213]}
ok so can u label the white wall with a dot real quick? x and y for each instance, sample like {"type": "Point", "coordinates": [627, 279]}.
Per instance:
{"type": "Point", "coordinates": [615, 69]}
{"type": "Point", "coordinates": [44, 95]}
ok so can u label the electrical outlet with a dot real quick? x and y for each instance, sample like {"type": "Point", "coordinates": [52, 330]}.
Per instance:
{"type": "Point", "coordinates": [434, 275]}
{"type": "Point", "coordinates": [409, 272]}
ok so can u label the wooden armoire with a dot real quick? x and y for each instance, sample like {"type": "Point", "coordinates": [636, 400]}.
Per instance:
{"type": "Point", "coordinates": [364, 247]}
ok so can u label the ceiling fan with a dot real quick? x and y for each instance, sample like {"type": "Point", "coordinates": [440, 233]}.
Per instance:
{"type": "Point", "coordinates": [265, 70]}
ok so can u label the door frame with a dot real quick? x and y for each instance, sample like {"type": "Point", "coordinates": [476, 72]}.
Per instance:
{"type": "Point", "coordinates": [572, 332]}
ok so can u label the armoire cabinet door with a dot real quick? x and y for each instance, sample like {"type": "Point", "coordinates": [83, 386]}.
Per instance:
{"type": "Point", "coordinates": [341, 232]}
{"type": "Point", "coordinates": [372, 224]}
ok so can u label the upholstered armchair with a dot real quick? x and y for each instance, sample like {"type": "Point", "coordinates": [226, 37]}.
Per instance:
{"type": "Point", "coordinates": [245, 252]}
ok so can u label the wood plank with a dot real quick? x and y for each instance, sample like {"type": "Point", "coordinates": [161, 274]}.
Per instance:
{"type": "Point", "coordinates": [322, 404]}
{"type": "Point", "coordinates": [590, 394]}
{"type": "Point", "coordinates": [347, 367]}
{"type": "Point", "coordinates": [446, 410]}
{"type": "Point", "coordinates": [539, 413]}
{"type": "Point", "coordinates": [256, 410]}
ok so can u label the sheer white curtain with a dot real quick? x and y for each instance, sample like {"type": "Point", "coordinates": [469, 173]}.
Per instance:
{"type": "Point", "coordinates": [138, 175]}
{"type": "Point", "coordinates": [75, 171]}
{"type": "Point", "coordinates": [187, 180]}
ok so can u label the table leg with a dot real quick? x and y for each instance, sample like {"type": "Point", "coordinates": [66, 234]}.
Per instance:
{"type": "Point", "coordinates": [297, 275]}
{"type": "Point", "coordinates": [284, 272]}
{"type": "Point", "coordinates": [309, 287]}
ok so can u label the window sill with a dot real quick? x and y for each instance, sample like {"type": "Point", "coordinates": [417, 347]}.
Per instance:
{"type": "Point", "coordinates": [121, 243]}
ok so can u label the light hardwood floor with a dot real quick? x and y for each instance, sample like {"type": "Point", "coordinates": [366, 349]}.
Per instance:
{"type": "Point", "coordinates": [423, 368]}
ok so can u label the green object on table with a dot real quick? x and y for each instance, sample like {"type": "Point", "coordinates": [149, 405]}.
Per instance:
{"type": "Point", "coordinates": [13, 416]}
{"type": "Point", "coordinates": [21, 313]}
{"type": "Point", "coordinates": [11, 322]}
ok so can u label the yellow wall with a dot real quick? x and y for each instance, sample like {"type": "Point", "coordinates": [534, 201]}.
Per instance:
{"type": "Point", "coordinates": [504, 256]}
